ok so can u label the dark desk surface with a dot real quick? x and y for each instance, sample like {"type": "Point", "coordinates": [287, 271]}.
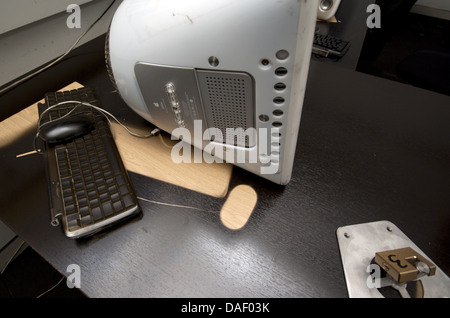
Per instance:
{"type": "Point", "coordinates": [351, 26]}
{"type": "Point", "coordinates": [368, 150]}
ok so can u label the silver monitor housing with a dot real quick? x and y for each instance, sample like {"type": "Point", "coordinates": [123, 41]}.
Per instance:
{"type": "Point", "coordinates": [227, 77]}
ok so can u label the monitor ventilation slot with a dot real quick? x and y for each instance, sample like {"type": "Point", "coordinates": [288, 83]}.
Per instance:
{"type": "Point", "coordinates": [228, 103]}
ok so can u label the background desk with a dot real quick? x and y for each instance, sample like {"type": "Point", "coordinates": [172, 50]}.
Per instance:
{"type": "Point", "coordinates": [351, 25]}
{"type": "Point", "coordinates": [368, 150]}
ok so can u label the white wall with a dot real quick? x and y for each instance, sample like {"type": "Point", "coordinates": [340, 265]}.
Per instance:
{"type": "Point", "coordinates": [40, 41]}
{"type": "Point", "coordinates": [17, 13]}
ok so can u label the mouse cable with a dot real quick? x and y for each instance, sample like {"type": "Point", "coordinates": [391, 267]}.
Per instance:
{"type": "Point", "coordinates": [51, 288]}
{"type": "Point", "coordinates": [176, 205]}
{"type": "Point", "coordinates": [105, 113]}
{"type": "Point", "coordinates": [59, 58]}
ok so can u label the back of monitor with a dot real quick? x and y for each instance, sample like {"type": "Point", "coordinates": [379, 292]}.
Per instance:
{"type": "Point", "coordinates": [227, 77]}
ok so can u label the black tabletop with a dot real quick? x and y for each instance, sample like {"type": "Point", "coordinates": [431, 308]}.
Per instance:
{"type": "Point", "coordinates": [368, 150]}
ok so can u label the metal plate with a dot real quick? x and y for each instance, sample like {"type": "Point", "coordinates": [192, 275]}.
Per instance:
{"type": "Point", "coordinates": [153, 80]}
{"type": "Point", "coordinates": [358, 245]}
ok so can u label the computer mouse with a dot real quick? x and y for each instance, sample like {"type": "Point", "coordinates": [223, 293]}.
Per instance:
{"type": "Point", "coordinates": [66, 129]}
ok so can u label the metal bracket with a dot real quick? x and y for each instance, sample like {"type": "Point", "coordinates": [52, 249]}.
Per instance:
{"type": "Point", "coordinates": [360, 243]}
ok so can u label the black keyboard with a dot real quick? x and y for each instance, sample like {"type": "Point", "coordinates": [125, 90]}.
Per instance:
{"type": "Point", "coordinates": [327, 45]}
{"type": "Point", "coordinates": [88, 183]}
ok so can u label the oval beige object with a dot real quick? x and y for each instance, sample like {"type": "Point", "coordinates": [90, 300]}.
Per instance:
{"type": "Point", "coordinates": [238, 207]}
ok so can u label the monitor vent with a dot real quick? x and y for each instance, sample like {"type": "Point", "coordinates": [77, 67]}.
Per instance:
{"type": "Point", "coordinates": [228, 103]}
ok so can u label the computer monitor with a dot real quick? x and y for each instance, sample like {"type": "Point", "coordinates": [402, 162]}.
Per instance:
{"type": "Point", "coordinates": [227, 77]}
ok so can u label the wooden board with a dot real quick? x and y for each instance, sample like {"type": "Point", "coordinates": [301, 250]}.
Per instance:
{"type": "Point", "coordinates": [151, 157]}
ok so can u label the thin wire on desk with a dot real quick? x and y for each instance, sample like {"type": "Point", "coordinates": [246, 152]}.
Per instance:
{"type": "Point", "coordinates": [150, 201]}
{"type": "Point", "coordinates": [9, 261]}
{"type": "Point", "coordinates": [64, 116]}
{"type": "Point", "coordinates": [59, 58]}
{"type": "Point", "coordinates": [12, 257]}
{"type": "Point", "coordinates": [176, 205]}
{"type": "Point", "coordinates": [100, 110]}
{"type": "Point", "coordinates": [51, 288]}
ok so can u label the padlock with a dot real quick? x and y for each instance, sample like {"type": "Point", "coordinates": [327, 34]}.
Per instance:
{"type": "Point", "coordinates": [404, 264]}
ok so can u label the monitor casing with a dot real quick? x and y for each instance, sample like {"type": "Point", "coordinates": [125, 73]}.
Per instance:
{"type": "Point", "coordinates": [227, 77]}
